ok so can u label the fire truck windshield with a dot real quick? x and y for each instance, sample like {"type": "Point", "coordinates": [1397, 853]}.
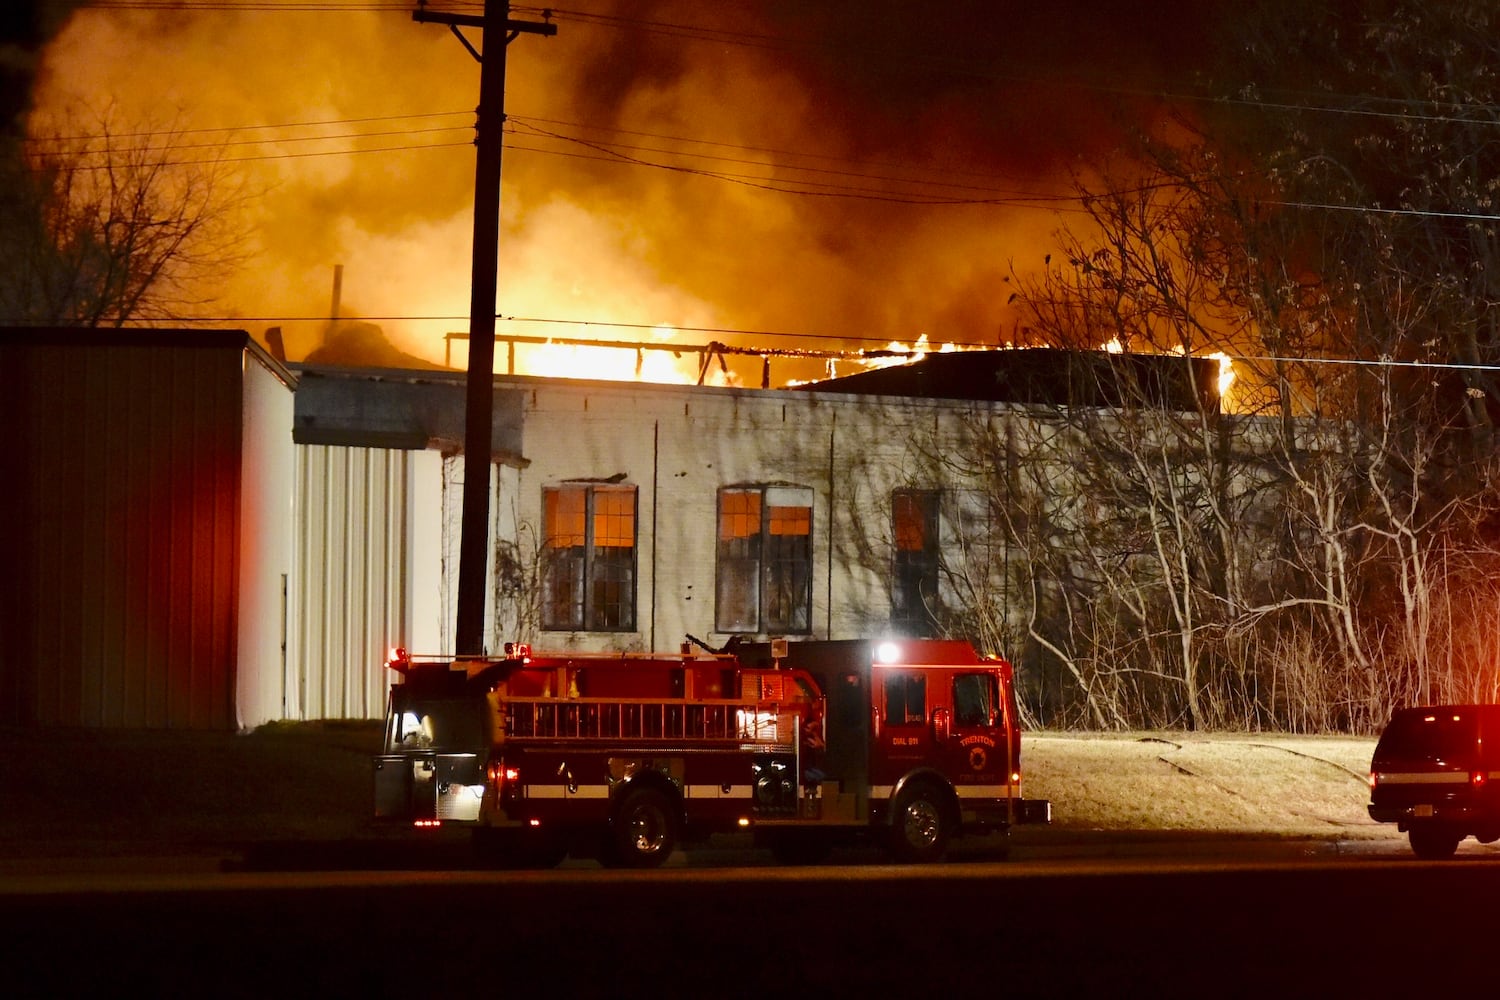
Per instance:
{"type": "Point", "coordinates": [434, 724]}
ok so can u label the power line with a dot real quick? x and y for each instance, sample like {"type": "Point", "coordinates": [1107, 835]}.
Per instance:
{"type": "Point", "coordinates": [727, 36]}
{"type": "Point", "coordinates": [257, 6]}
{"type": "Point", "coordinates": [169, 132]}
{"type": "Point", "coordinates": [806, 187]}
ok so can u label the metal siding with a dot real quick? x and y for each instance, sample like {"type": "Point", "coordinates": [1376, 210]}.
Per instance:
{"type": "Point", "coordinates": [128, 514]}
{"type": "Point", "coordinates": [265, 540]}
{"type": "Point", "coordinates": [350, 576]}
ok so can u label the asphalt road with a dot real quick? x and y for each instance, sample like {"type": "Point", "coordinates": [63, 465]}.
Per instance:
{"type": "Point", "coordinates": [1287, 921]}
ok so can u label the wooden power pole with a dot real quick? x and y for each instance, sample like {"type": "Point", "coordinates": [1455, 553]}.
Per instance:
{"type": "Point", "coordinates": [495, 24]}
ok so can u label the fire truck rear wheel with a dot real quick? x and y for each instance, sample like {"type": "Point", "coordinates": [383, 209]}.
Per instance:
{"type": "Point", "coordinates": [644, 832]}
{"type": "Point", "coordinates": [920, 826]}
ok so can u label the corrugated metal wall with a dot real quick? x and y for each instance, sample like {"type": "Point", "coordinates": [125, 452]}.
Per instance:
{"type": "Point", "coordinates": [121, 529]}
{"type": "Point", "coordinates": [350, 578]}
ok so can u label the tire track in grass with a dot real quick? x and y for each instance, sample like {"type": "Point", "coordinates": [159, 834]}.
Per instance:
{"type": "Point", "coordinates": [1288, 808]}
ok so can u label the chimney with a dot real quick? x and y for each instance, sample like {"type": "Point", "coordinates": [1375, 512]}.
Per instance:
{"type": "Point", "coordinates": [338, 291]}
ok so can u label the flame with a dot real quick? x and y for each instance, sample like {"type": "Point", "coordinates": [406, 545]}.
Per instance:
{"type": "Point", "coordinates": [616, 364]}
{"type": "Point", "coordinates": [1226, 372]}
{"type": "Point", "coordinates": [1226, 365]}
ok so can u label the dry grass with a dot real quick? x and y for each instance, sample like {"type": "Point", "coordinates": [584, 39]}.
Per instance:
{"type": "Point", "coordinates": [1294, 786]}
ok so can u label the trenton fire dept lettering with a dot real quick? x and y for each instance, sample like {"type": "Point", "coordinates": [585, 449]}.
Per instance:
{"type": "Point", "coordinates": [977, 744]}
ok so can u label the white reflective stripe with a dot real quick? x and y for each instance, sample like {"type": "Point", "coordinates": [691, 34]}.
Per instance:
{"type": "Point", "coordinates": [1422, 778]}
{"type": "Point", "coordinates": [980, 791]}
{"type": "Point", "coordinates": [718, 792]}
{"type": "Point", "coordinates": [561, 792]}
{"type": "Point", "coordinates": [602, 792]}
{"type": "Point", "coordinates": [881, 791]}
{"type": "Point", "coordinates": [591, 792]}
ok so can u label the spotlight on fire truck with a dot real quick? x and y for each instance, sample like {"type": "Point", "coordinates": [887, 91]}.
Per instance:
{"type": "Point", "coordinates": [398, 659]}
{"type": "Point", "coordinates": [888, 652]}
{"type": "Point", "coordinates": [518, 651]}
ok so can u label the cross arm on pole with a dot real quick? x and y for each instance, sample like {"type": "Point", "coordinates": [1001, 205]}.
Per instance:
{"type": "Point", "coordinates": [455, 21]}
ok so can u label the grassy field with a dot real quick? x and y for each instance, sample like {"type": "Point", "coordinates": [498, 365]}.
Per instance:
{"type": "Point", "coordinates": [1265, 784]}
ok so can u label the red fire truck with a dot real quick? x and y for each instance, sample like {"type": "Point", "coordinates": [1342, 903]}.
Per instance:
{"type": "Point", "coordinates": [805, 745]}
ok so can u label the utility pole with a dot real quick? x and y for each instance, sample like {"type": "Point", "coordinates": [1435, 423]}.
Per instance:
{"type": "Point", "coordinates": [495, 24]}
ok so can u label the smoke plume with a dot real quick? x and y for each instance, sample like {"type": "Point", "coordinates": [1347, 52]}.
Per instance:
{"type": "Point", "coordinates": [849, 172]}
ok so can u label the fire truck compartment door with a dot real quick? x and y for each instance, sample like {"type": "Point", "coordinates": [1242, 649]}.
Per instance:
{"type": "Point", "coordinates": [397, 776]}
{"type": "Point", "coordinates": [424, 786]}
{"type": "Point", "coordinates": [847, 728]}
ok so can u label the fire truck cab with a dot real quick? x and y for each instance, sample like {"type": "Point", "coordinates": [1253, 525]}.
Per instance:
{"type": "Point", "coordinates": [805, 745]}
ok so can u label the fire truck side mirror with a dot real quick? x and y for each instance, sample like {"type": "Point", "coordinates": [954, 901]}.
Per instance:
{"type": "Point", "coordinates": [942, 724]}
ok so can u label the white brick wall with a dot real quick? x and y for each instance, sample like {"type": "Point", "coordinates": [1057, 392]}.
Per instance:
{"type": "Point", "coordinates": [678, 445]}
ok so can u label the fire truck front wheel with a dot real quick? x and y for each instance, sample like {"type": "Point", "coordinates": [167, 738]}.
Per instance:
{"type": "Point", "coordinates": [921, 825]}
{"type": "Point", "coordinates": [644, 831]}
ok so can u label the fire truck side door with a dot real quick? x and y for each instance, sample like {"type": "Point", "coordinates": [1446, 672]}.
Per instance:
{"type": "Point", "coordinates": [905, 732]}
{"type": "Point", "coordinates": [974, 752]}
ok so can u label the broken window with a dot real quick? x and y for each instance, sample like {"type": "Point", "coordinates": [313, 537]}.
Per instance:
{"type": "Point", "coordinates": [914, 575]}
{"type": "Point", "coordinates": [764, 573]}
{"type": "Point", "coordinates": [588, 566]}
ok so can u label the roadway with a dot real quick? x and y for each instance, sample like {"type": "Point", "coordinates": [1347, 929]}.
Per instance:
{"type": "Point", "coordinates": [1195, 917]}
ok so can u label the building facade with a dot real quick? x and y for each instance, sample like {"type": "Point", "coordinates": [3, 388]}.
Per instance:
{"type": "Point", "coordinates": [624, 517]}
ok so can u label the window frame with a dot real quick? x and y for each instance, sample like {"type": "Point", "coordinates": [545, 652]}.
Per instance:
{"type": "Point", "coordinates": [586, 564]}
{"type": "Point", "coordinates": [782, 576]}
{"type": "Point", "coordinates": [919, 569]}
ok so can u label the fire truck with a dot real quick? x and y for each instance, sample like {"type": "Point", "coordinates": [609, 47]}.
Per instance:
{"type": "Point", "coordinates": [804, 745]}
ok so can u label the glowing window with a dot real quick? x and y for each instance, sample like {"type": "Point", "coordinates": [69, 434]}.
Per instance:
{"type": "Point", "coordinates": [588, 573]}
{"type": "Point", "coordinates": [915, 563]}
{"type": "Point", "coordinates": [764, 560]}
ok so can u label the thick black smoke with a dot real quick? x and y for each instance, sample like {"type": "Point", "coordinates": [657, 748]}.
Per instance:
{"type": "Point", "coordinates": [25, 28]}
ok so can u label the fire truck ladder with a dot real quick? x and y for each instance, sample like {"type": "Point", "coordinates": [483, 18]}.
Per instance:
{"type": "Point", "coordinates": [759, 724]}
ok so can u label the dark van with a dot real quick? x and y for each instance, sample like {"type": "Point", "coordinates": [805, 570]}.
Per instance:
{"type": "Point", "coordinates": [1434, 775]}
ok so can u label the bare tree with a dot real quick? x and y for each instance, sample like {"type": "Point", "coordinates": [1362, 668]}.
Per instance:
{"type": "Point", "coordinates": [115, 227]}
